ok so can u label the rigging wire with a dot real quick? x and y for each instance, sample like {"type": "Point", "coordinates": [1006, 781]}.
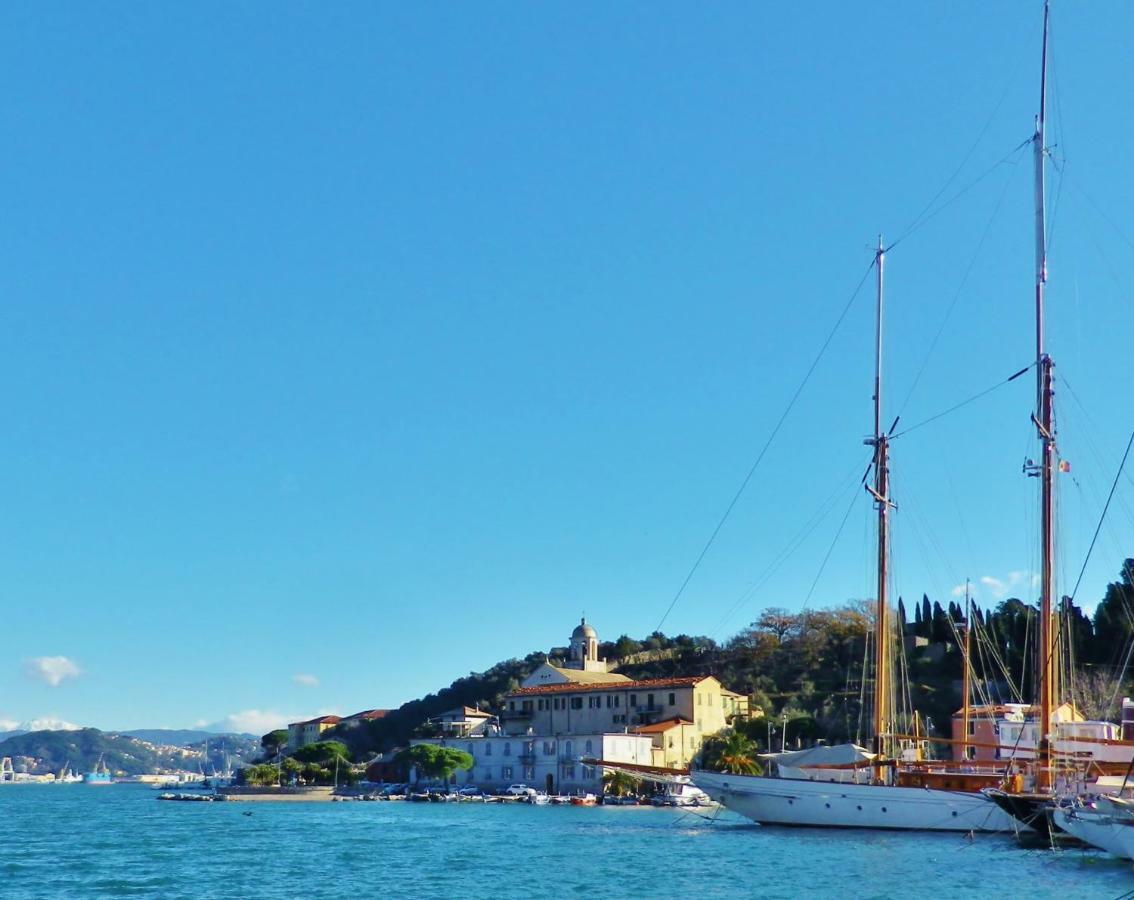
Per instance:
{"type": "Point", "coordinates": [788, 550]}
{"type": "Point", "coordinates": [830, 550]}
{"type": "Point", "coordinates": [1102, 517]}
{"type": "Point", "coordinates": [957, 196]}
{"type": "Point", "coordinates": [768, 443]}
{"type": "Point", "coordinates": [963, 403]}
{"type": "Point", "coordinates": [964, 280]}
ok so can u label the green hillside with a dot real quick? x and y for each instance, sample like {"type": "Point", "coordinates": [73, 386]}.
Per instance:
{"type": "Point", "coordinates": [41, 752]}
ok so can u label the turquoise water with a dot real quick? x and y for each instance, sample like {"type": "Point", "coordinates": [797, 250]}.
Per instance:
{"type": "Point", "coordinates": [77, 841]}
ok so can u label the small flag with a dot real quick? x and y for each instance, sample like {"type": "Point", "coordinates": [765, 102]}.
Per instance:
{"type": "Point", "coordinates": [1064, 466]}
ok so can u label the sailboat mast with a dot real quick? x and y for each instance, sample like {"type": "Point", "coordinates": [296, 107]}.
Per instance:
{"type": "Point", "coordinates": [1046, 428]}
{"type": "Point", "coordinates": [967, 673]}
{"type": "Point", "coordinates": [881, 494]}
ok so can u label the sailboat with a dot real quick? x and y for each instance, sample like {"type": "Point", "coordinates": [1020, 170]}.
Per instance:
{"type": "Point", "coordinates": [1036, 804]}
{"type": "Point", "coordinates": [847, 786]}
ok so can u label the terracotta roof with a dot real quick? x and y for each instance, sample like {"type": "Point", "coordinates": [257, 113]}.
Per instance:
{"type": "Point", "coordinates": [578, 676]}
{"type": "Point", "coordinates": [320, 720]}
{"type": "Point", "coordinates": [467, 711]}
{"type": "Point", "coordinates": [648, 684]}
{"type": "Point", "coordinates": [370, 714]}
{"type": "Point", "coordinates": [659, 727]}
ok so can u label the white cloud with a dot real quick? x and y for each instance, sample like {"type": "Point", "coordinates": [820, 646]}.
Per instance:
{"type": "Point", "coordinates": [960, 590]}
{"type": "Point", "coordinates": [52, 670]}
{"type": "Point", "coordinates": [48, 724]}
{"type": "Point", "coordinates": [305, 680]}
{"type": "Point", "coordinates": [1017, 582]}
{"type": "Point", "coordinates": [254, 721]}
{"type": "Point", "coordinates": [9, 725]}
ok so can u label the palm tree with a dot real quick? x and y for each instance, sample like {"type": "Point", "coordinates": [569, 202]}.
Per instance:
{"type": "Point", "coordinates": [620, 783]}
{"type": "Point", "coordinates": [736, 754]}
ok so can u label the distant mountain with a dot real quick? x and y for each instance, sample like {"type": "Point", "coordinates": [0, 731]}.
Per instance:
{"type": "Point", "coordinates": [41, 752]}
{"type": "Point", "coordinates": [183, 737]}
{"type": "Point", "coordinates": [36, 725]}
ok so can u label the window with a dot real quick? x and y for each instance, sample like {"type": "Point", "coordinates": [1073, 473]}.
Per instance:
{"type": "Point", "coordinates": [609, 701]}
{"type": "Point", "coordinates": [529, 773]}
{"type": "Point", "coordinates": [972, 727]}
{"type": "Point", "coordinates": [526, 706]}
{"type": "Point", "coordinates": [698, 724]}
{"type": "Point", "coordinates": [576, 703]}
{"type": "Point", "coordinates": [506, 773]}
{"type": "Point", "coordinates": [588, 751]}
{"type": "Point", "coordinates": [633, 699]}
{"type": "Point", "coordinates": [548, 748]}
{"type": "Point", "coordinates": [691, 744]}
{"type": "Point", "coordinates": [617, 700]}
{"type": "Point", "coordinates": [568, 771]}
{"type": "Point", "coordinates": [488, 749]}
{"type": "Point", "coordinates": [511, 706]}
{"type": "Point", "coordinates": [567, 748]}
{"type": "Point", "coordinates": [649, 701]}
{"type": "Point", "coordinates": [507, 748]}
{"type": "Point", "coordinates": [698, 698]}
{"type": "Point", "coordinates": [673, 699]}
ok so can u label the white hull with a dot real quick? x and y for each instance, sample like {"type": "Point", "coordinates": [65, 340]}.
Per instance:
{"type": "Point", "coordinates": [788, 801]}
{"type": "Point", "coordinates": [1112, 834]}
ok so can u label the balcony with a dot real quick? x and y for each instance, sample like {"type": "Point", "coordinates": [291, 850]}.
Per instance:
{"type": "Point", "coordinates": [516, 714]}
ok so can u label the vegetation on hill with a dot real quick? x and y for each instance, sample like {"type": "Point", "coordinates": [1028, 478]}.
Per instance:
{"type": "Point", "coordinates": [807, 671]}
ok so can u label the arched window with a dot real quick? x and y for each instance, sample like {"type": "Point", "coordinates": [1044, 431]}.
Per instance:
{"type": "Point", "coordinates": [567, 748]}
{"type": "Point", "coordinates": [588, 750]}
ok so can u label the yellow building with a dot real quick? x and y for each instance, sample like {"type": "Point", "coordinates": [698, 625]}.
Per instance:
{"type": "Point", "coordinates": [300, 734]}
{"type": "Point", "coordinates": [699, 703]}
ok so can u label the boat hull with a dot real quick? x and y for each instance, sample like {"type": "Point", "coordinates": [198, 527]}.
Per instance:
{"type": "Point", "coordinates": [817, 804]}
{"type": "Point", "coordinates": [1112, 834]}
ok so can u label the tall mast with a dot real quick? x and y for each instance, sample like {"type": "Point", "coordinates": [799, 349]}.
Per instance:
{"type": "Point", "coordinates": [1045, 426]}
{"type": "Point", "coordinates": [967, 673]}
{"type": "Point", "coordinates": [882, 504]}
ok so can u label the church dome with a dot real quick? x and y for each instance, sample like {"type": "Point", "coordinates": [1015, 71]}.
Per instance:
{"type": "Point", "coordinates": [583, 630]}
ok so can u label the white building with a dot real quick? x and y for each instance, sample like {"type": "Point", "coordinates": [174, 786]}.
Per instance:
{"type": "Point", "coordinates": [547, 763]}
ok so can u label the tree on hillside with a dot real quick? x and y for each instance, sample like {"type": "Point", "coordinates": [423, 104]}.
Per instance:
{"type": "Point", "coordinates": [323, 753]}
{"type": "Point", "coordinates": [435, 762]}
{"type": "Point", "coordinates": [273, 741]}
{"type": "Point", "coordinates": [1114, 617]}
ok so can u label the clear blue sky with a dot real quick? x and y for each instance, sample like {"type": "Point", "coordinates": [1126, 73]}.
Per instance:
{"type": "Point", "coordinates": [375, 343]}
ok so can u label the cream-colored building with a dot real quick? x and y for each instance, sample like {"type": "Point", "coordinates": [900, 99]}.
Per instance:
{"type": "Point", "coordinates": [300, 734]}
{"type": "Point", "coordinates": [600, 706]}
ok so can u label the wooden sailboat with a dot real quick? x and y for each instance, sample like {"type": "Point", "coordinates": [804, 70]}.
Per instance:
{"type": "Point", "coordinates": [1036, 803]}
{"type": "Point", "coordinates": [846, 787]}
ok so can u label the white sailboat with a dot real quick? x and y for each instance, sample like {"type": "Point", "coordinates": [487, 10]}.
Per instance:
{"type": "Point", "coordinates": [847, 786]}
{"type": "Point", "coordinates": [1108, 824]}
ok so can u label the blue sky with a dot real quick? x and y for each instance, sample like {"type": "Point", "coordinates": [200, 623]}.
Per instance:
{"type": "Point", "coordinates": [348, 350]}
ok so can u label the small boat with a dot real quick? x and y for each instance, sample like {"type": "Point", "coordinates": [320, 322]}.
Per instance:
{"type": "Point", "coordinates": [539, 799]}
{"type": "Point", "coordinates": [583, 800]}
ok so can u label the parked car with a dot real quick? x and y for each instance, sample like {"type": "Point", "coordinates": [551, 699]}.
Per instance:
{"type": "Point", "coordinates": [471, 790]}
{"type": "Point", "coordinates": [520, 790]}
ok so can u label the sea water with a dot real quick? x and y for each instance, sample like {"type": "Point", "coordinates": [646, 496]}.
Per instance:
{"type": "Point", "coordinates": [120, 841]}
